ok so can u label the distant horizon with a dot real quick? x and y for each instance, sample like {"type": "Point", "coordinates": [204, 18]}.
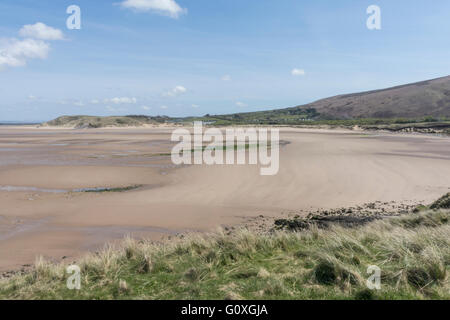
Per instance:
{"type": "Point", "coordinates": [25, 122]}
{"type": "Point", "coordinates": [19, 122]}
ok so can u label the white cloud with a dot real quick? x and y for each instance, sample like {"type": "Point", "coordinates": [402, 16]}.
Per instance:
{"type": "Point", "coordinates": [73, 102]}
{"type": "Point", "coordinates": [195, 106]}
{"type": "Point", "coordinates": [95, 101]}
{"type": "Point", "coordinates": [145, 108]}
{"type": "Point", "coordinates": [121, 100]}
{"type": "Point", "coordinates": [175, 91]}
{"type": "Point", "coordinates": [298, 72]}
{"type": "Point", "coordinates": [41, 31]}
{"type": "Point", "coordinates": [163, 107]}
{"type": "Point", "coordinates": [226, 77]}
{"type": "Point", "coordinates": [165, 7]}
{"type": "Point", "coordinates": [16, 53]}
{"type": "Point", "coordinates": [241, 104]}
{"type": "Point", "coordinates": [112, 109]}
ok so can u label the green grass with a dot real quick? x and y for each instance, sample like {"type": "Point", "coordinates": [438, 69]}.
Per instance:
{"type": "Point", "coordinates": [442, 203]}
{"type": "Point", "coordinates": [413, 252]}
{"type": "Point", "coordinates": [310, 117]}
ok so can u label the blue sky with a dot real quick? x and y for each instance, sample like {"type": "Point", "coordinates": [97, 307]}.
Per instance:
{"type": "Point", "coordinates": [194, 57]}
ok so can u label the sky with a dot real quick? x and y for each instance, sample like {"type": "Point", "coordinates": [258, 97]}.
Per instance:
{"type": "Point", "coordinates": [193, 57]}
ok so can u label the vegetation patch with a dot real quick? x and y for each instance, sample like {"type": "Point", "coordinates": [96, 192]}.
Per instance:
{"type": "Point", "coordinates": [345, 217]}
{"type": "Point", "coordinates": [325, 273]}
{"type": "Point", "coordinates": [103, 190]}
{"type": "Point", "coordinates": [316, 263]}
{"type": "Point", "coordinates": [442, 203]}
{"type": "Point", "coordinates": [322, 222]}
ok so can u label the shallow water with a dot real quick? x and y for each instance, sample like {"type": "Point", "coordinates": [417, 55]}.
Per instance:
{"type": "Point", "coordinates": [44, 190]}
{"type": "Point", "coordinates": [33, 189]}
{"type": "Point", "coordinates": [21, 227]}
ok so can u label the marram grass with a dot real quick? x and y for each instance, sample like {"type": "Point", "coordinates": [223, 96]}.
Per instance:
{"type": "Point", "coordinates": [412, 251]}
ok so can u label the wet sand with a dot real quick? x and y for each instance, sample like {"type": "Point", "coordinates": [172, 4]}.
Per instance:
{"type": "Point", "coordinates": [318, 169]}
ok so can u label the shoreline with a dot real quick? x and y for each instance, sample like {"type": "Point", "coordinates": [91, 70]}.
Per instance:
{"type": "Point", "coordinates": [305, 128]}
{"type": "Point", "coordinates": [319, 169]}
{"type": "Point", "coordinates": [245, 265]}
{"type": "Point", "coordinates": [358, 215]}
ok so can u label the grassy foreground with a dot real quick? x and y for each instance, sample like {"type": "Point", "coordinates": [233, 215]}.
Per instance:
{"type": "Point", "coordinates": [413, 252]}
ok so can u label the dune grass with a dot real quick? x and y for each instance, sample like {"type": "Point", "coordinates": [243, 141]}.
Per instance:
{"type": "Point", "coordinates": [412, 251]}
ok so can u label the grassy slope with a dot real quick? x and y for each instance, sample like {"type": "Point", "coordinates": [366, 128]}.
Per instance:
{"type": "Point", "coordinates": [412, 251]}
{"type": "Point", "coordinates": [414, 100]}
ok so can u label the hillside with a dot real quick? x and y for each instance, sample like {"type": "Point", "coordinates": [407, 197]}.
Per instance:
{"type": "Point", "coordinates": [427, 98]}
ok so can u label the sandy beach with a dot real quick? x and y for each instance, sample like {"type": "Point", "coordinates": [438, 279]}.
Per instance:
{"type": "Point", "coordinates": [40, 168]}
